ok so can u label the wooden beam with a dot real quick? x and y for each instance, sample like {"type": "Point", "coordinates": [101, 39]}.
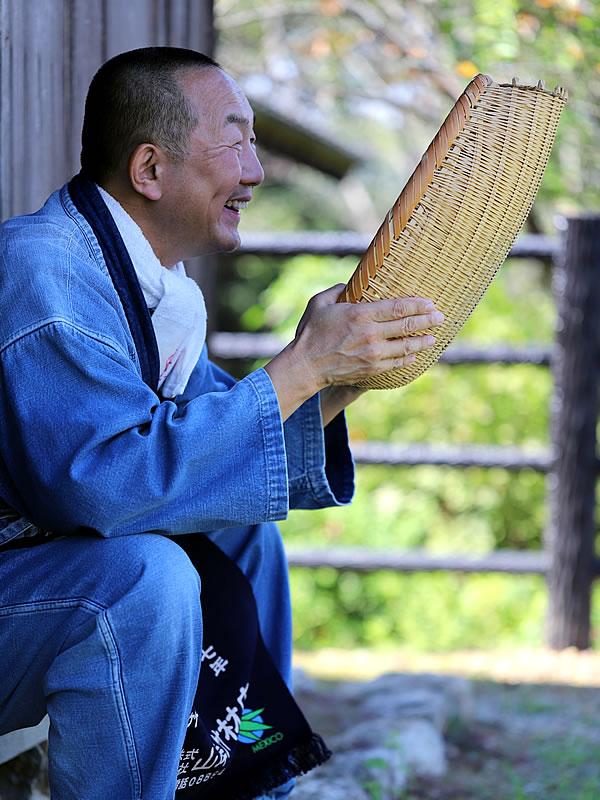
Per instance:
{"type": "Point", "coordinates": [362, 559]}
{"type": "Point", "coordinates": [351, 243]}
{"type": "Point", "coordinates": [228, 345]}
{"type": "Point", "coordinates": [289, 137]}
{"type": "Point", "coordinates": [483, 456]}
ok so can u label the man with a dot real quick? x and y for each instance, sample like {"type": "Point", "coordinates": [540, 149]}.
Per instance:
{"type": "Point", "coordinates": [129, 462]}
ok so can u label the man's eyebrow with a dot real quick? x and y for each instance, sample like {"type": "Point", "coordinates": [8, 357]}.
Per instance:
{"type": "Point", "coordinates": [236, 119]}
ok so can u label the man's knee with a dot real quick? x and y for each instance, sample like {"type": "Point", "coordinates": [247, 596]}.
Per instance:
{"type": "Point", "coordinates": [146, 614]}
{"type": "Point", "coordinates": [144, 584]}
{"type": "Point", "coordinates": [157, 576]}
{"type": "Point", "coordinates": [85, 600]}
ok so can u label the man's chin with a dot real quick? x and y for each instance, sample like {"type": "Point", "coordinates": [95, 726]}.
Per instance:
{"type": "Point", "coordinates": [224, 243]}
{"type": "Point", "coordinates": [212, 252]}
{"type": "Point", "coordinates": [229, 243]}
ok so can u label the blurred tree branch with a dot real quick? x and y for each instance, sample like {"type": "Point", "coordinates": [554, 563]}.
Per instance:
{"type": "Point", "coordinates": [386, 72]}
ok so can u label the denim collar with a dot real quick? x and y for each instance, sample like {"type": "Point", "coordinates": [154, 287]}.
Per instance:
{"type": "Point", "coordinates": [90, 205]}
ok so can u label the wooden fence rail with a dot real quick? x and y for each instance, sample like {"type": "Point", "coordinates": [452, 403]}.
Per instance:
{"type": "Point", "coordinates": [350, 243]}
{"type": "Point", "coordinates": [266, 345]}
{"type": "Point", "coordinates": [568, 557]}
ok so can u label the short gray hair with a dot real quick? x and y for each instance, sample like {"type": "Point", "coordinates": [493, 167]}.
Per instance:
{"type": "Point", "coordinates": [136, 97]}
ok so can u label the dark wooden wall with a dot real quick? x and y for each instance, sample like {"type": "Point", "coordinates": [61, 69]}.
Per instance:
{"type": "Point", "coordinates": [49, 51]}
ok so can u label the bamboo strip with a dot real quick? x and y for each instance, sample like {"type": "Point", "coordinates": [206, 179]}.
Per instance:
{"type": "Point", "coordinates": [460, 212]}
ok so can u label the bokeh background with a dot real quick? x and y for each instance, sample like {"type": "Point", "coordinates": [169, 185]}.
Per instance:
{"type": "Point", "coordinates": [377, 78]}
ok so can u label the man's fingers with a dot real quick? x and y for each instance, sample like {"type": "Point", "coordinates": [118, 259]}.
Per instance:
{"type": "Point", "coordinates": [388, 310]}
{"type": "Point", "coordinates": [328, 296]}
{"type": "Point", "coordinates": [405, 361]}
{"type": "Point", "coordinates": [399, 328]}
{"type": "Point", "coordinates": [399, 307]}
{"type": "Point", "coordinates": [414, 344]}
{"type": "Point", "coordinates": [347, 342]}
{"type": "Point", "coordinates": [404, 348]}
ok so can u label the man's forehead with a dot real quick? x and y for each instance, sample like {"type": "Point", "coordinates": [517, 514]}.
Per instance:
{"type": "Point", "coordinates": [213, 86]}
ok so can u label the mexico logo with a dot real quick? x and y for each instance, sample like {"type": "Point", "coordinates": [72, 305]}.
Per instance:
{"type": "Point", "coordinates": [252, 730]}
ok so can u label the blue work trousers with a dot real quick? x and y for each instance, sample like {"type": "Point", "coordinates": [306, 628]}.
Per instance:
{"type": "Point", "coordinates": [105, 636]}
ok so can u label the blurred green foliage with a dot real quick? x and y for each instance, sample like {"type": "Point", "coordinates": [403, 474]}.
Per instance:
{"type": "Point", "coordinates": [421, 611]}
{"type": "Point", "coordinates": [379, 76]}
{"type": "Point", "coordinates": [557, 41]}
{"type": "Point", "coordinates": [440, 509]}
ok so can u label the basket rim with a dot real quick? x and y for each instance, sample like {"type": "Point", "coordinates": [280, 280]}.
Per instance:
{"type": "Point", "coordinates": [397, 217]}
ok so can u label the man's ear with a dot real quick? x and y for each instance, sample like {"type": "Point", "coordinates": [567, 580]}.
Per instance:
{"type": "Point", "coordinates": [146, 170]}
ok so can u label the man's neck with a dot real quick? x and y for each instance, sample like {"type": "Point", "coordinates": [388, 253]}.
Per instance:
{"type": "Point", "coordinates": [139, 209]}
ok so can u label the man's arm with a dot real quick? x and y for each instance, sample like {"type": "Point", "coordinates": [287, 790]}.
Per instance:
{"type": "Point", "coordinates": [337, 344]}
{"type": "Point", "coordinates": [335, 399]}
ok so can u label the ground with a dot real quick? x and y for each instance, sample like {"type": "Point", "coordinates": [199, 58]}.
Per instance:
{"type": "Point", "coordinates": [534, 734]}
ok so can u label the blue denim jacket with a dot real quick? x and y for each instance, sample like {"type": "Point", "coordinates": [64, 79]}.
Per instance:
{"type": "Point", "coordinates": [87, 445]}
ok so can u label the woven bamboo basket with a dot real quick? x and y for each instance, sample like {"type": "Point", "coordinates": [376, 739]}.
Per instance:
{"type": "Point", "coordinates": [456, 219]}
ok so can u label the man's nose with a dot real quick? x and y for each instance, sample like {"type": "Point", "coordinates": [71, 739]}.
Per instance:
{"type": "Point", "coordinates": [252, 171]}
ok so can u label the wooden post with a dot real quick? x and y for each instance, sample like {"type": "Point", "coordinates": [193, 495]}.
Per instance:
{"type": "Point", "coordinates": [572, 481]}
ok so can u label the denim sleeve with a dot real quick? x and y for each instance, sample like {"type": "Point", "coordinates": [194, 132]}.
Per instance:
{"type": "Point", "coordinates": [320, 465]}
{"type": "Point", "coordinates": [87, 445]}
{"type": "Point", "coordinates": [319, 462]}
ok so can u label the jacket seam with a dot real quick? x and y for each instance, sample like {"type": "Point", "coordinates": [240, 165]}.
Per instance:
{"type": "Point", "coordinates": [84, 228]}
{"type": "Point", "coordinates": [56, 321]}
{"type": "Point", "coordinates": [49, 605]}
{"type": "Point", "coordinates": [112, 649]}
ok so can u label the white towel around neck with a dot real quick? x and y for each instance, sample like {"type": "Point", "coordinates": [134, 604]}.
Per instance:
{"type": "Point", "coordinates": [179, 311]}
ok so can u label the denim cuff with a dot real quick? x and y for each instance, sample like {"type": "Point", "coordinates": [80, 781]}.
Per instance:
{"type": "Point", "coordinates": [274, 447]}
{"type": "Point", "coordinates": [320, 465]}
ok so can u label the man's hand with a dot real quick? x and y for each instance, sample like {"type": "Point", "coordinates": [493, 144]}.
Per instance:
{"type": "Point", "coordinates": [338, 344]}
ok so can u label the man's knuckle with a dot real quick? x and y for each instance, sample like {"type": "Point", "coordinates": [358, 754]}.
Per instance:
{"type": "Point", "coordinates": [399, 307]}
{"type": "Point", "coordinates": [410, 324]}
{"type": "Point", "coordinates": [373, 351]}
{"type": "Point", "coordinates": [370, 336]}
{"type": "Point", "coordinates": [355, 314]}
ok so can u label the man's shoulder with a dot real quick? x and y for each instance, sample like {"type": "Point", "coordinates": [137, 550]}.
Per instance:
{"type": "Point", "coordinates": [52, 270]}
{"type": "Point", "coordinates": [43, 254]}
{"type": "Point", "coordinates": [56, 225]}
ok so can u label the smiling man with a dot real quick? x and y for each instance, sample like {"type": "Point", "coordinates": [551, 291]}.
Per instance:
{"type": "Point", "coordinates": [192, 205]}
{"type": "Point", "coordinates": [144, 602]}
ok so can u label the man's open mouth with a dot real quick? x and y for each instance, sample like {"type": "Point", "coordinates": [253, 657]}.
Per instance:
{"type": "Point", "coordinates": [236, 205]}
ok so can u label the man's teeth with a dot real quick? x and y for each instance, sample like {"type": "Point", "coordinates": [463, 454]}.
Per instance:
{"type": "Point", "coordinates": [237, 205]}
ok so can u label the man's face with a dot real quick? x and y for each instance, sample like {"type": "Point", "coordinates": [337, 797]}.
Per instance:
{"type": "Point", "coordinates": [205, 192]}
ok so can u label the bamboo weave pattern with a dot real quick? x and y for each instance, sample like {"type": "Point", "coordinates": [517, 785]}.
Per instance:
{"type": "Point", "coordinates": [456, 219]}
